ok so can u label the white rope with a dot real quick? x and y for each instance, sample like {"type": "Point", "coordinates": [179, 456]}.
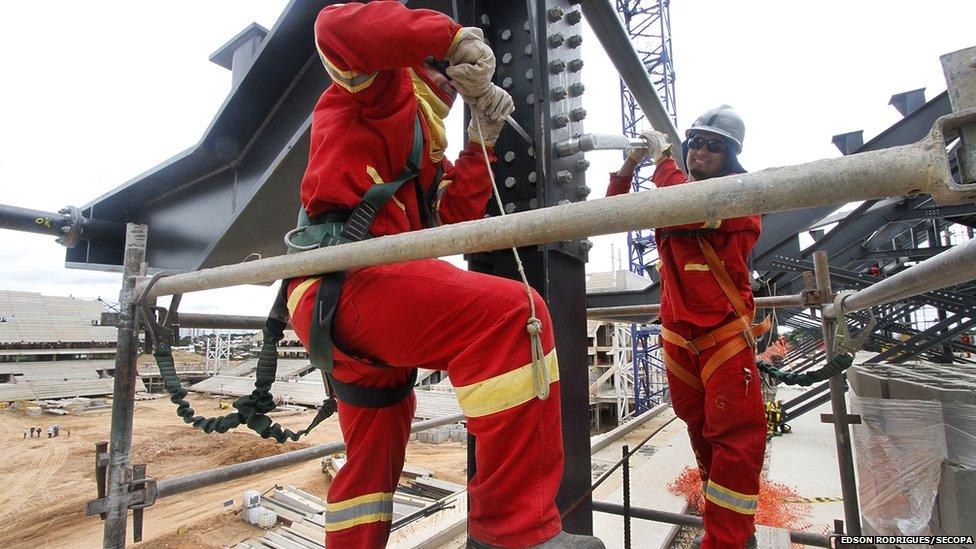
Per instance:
{"type": "Point", "coordinates": [540, 374]}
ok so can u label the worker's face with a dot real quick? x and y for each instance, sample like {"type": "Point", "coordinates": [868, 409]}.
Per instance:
{"type": "Point", "coordinates": [440, 81]}
{"type": "Point", "coordinates": [703, 163]}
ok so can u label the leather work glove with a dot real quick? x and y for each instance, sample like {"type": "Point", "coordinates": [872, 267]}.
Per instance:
{"type": "Point", "coordinates": [657, 147]}
{"type": "Point", "coordinates": [490, 112]}
{"type": "Point", "coordinates": [472, 65]}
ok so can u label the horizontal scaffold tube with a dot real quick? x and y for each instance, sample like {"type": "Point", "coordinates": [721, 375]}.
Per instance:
{"type": "Point", "coordinates": [951, 267]}
{"type": "Point", "coordinates": [223, 322]}
{"type": "Point", "coordinates": [766, 302]}
{"type": "Point", "coordinates": [681, 519]}
{"type": "Point", "coordinates": [910, 169]}
{"type": "Point", "coordinates": [185, 483]}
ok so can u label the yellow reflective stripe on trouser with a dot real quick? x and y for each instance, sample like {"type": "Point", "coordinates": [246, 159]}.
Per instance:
{"type": "Point", "coordinates": [360, 510]}
{"type": "Point", "coordinates": [298, 292]}
{"type": "Point", "coordinates": [730, 499]}
{"type": "Point", "coordinates": [503, 391]}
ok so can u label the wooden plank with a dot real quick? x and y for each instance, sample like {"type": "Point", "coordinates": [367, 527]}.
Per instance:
{"type": "Point", "coordinates": [299, 539]}
{"type": "Point", "coordinates": [283, 541]}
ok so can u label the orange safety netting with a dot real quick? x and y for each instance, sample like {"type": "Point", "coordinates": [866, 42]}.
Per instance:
{"type": "Point", "coordinates": [779, 505]}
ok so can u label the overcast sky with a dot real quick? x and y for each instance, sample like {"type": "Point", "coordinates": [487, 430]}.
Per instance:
{"type": "Point", "coordinates": [95, 93]}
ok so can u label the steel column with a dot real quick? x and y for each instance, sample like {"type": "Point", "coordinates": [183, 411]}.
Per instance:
{"type": "Point", "coordinates": [123, 392]}
{"type": "Point", "coordinates": [838, 404]}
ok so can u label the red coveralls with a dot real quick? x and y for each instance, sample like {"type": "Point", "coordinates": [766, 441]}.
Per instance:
{"type": "Point", "coordinates": [426, 313]}
{"type": "Point", "coordinates": [720, 400]}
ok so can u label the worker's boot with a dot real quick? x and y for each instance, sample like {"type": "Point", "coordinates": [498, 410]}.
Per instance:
{"type": "Point", "coordinates": [562, 540]}
{"type": "Point", "coordinates": [750, 542]}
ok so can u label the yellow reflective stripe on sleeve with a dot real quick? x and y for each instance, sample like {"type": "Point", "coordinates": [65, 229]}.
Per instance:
{"type": "Point", "coordinates": [375, 176]}
{"type": "Point", "coordinates": [359, 510]}
{"type": "Point", "coordinates": [504, 391]}
{"type": "Point", "coordinates": [350, 80]}
{"type": "Point", "coordinates": [298, 292]}
{"type": "Point", "coordinates": [730, 499]}
{"type": "Point", "coordinates": [454, 42]}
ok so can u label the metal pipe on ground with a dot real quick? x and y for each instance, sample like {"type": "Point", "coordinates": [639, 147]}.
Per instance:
{"type": "Point", "coordinates": [951, 267]}
{"type": "Point", "coordinates": [626, 428]}
{"type": "Point", "coordinates": [911, 169]}
{"type": "Point", "coordinates": [185, 483]}
{"type": "Point", "coordinates": [805, 538]}
{"type": "Point", "coordinates": [770, 302]}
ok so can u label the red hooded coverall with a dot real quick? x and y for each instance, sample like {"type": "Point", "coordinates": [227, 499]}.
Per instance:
{"type": "Point", "coordinates": [426, 313]}
{"type": "Point", "coordinates": [724, 409]}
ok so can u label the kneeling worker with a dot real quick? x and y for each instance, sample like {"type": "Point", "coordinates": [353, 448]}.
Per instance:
{"type": "Point", "coordinates": [395, 73]}
{"type": "Point", "coordinates": [708, 338]}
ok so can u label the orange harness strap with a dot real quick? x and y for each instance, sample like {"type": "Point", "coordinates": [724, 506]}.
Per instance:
{"type": "Point", "coordinates": [724, 333]}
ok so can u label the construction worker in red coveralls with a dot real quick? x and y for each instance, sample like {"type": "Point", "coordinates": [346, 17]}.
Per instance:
{"type": "Point", "coordinates": [390, 65]}
{"type": "Point", "coordinates": [708, 337]}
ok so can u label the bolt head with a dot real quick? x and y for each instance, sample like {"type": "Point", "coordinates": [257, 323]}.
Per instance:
{"type": "Point", "coordinates": [575, 65]}
{"type": "Point", "coordinates": [530, 99]}
{"type": "Point", "coordinates": [533, 177]}
{"type": "Point", "coordinates": [560, 120]}
{"type": "Point", "coordinates": [564, 176]}
{"type": "Point", "coordinates": [527, 50]}
{"type": "Point", "coordinates": [583, 191]}
{"type": "Point", "coordinates": [509, 182]}
{"type": "Point", "coordinates": [556, 40]}
{"type": "Point", "coordinates": [574, 41]}
{"type": "Point", "coordinates": [577, 89]}
{"type": "Point", "coordinates": [529, 74]}
{"type": "Point", "coordinates": [533, 203]}
{"type": "Point", "coordinates": [582, 165]}
{"type": "Point", "coordinates": [485, 21]}
{"type": "Point", "coordinates": [510, 208]}
{"type": "Point", "coordinates": [577, 114]}
{"type": "Point", "coordinates": [509, 157]}
{"type": "Point", "coordinates": [559, 93]}
{"type": "Point", "coordinates": [506, 35]}
{"type": "Point", "coordinates": [555, 14]}
{"type": "Point", "coordinates": [506, 59]}
{"type": "Point", "coordinates": [574, 17]}
{"type": "Point", "coordinates": [557, 66]}
{"type": "Point", "coordinates": [507, 82]}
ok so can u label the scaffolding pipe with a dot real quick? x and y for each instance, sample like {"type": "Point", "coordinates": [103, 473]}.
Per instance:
{"type": "Point", "coordinates": [951, 267]}
{"type": "Point", "coordinates": [681, 519]}
{"type": "Point", "coordinates": [770, 302]}
{"type": "Point", "coordinates": [186, 483]}
{"type": "Point", "coordinates": [838, 406]}
{"type": "Point", "coordinates": [910, 169]}
{"type": "Point", "coordinates": [605, 440]}
{"type": "Point", "coordinates": [223, 322]}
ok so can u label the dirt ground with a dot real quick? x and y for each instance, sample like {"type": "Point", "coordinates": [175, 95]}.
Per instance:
{"type": "Point", "coordinates": [45, 483]}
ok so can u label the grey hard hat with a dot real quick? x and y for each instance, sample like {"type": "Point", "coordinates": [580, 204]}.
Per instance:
{"type": "Point", "coordinates": [723, 121]}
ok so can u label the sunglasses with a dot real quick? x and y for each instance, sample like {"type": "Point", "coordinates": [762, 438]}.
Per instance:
{"type": "Point", "coordinates": [714, 145]}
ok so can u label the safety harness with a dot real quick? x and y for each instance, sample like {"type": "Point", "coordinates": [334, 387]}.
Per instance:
{"type": "Point", "coordinates": [329, 229]}
{"type": "Point", "coordinates": [732, 336]}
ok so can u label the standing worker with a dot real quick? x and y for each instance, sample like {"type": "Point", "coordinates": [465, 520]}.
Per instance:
{"type": "Point", "coordinates": [708, 338]}
{"type": "Point", "coordinates": [395, 73]}
{"type": "Point", "coordinates": [25, 432]}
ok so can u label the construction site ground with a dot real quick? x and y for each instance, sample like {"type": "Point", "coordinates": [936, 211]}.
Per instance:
{"type": "Point", "coordinates": [45, 483]}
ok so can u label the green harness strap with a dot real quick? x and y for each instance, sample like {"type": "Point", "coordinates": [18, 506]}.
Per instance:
{"type": "Point", "coordinates": [836, 365]}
